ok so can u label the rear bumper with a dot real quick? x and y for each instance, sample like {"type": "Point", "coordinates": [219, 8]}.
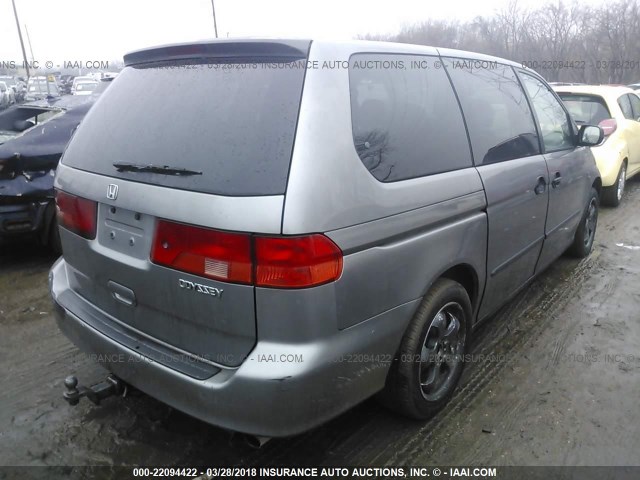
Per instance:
{"type": "Point", "coordinates": [279, 390]}
{"type": "Point", "coordinates": [25, 218]}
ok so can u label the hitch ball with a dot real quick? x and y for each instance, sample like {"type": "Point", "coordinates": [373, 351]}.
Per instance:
{"type": "Point", "coordinates": [72, 395]}
{"type": "Point", "coordinates": [108, 387]}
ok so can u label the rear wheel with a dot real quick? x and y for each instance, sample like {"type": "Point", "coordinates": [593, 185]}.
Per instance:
{"type": "Point", "coordinates": [54, 238]}
{"type": "Point", "coordinates": [612, 196]}
{"type": "Point", "coordinates": [430, 360]}
{"type": "Point", "coordinates": [586, 231]}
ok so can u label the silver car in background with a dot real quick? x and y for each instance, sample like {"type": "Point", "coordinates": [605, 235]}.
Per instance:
{"type": "Point", "coordinates": [311, 223]}
{"type": "Point", "coordinates": [7, 95]}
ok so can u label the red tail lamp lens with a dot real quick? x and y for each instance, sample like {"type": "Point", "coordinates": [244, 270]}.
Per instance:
{"type": "Point", "coordinates": [76, 214]}
{"type": "Point", "coordinates": [296, 262]}
{"type": "Point", "coordinates": [608, 126]}
{"type": "Point", "coordinates": [281, 262]}
{"type": "Point", "coordinates": [208, 253]}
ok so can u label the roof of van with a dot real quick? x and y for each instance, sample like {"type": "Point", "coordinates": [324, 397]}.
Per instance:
{"type": "Point", "coordinates": [291, 48]}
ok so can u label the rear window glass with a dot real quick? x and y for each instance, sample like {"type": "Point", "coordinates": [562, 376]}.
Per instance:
{"type": "Point", "coordinates": [500, 122]}
{"type": "Point", "coordinates": [233, 122]}
{"type": "Point", "coordinates": [406, 121]}
{"type": "Point", "coordinates": [585, 109]}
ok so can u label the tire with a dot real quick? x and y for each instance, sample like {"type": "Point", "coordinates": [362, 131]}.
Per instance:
{"type": "Point", "coordinates": [586, 231]}
{"type": "Point", "coordinates": [54, 238]}
{"type": "Point", "coordinates": [421, 380]}
{"type": "Point", "coordinates": [612, 196]}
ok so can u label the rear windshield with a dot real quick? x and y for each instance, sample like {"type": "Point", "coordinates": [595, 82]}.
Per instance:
{"type": "Point", "coordinates": [586, 109]}
{"type": "Point", "coordinates": [233, 123]}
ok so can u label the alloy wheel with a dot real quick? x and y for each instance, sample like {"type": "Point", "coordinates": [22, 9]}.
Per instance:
{"type": "Point", "coordinates": [590, 222]}
{"type": "Point", "coordinates": [441, 353]}
{"type": "Point", "coordinates": [621, 181]}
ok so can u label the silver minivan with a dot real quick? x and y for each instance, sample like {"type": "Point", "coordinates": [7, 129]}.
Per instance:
{"type": "Point", "coordinates": [309, 223]}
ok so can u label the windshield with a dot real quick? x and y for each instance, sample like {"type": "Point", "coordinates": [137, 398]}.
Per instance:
{"type": "Point", "coordinates": [234, 122]}
{"type": "Point", "coordinates": [586, 109]}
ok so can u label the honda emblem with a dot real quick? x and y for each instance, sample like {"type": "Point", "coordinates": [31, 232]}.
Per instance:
{"type": "Point", "coordinates": [112, 191]}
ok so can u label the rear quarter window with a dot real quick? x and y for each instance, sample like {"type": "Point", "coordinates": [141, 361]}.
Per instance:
{"type": "Point", "coordinates": [635, 105]}
{"type": "Point", "coordinates": [406, 121]}
{"type": "Point", "coordinates": [625, 106]}
{"type": "Point", "coordinates": [500, 122]}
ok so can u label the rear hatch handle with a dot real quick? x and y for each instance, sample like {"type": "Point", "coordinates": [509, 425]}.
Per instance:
{"type": "Point", "coordinates": [122, 294]}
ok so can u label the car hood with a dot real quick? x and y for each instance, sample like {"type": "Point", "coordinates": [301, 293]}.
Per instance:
{"type": "Point", "coordinates": [28, 161]}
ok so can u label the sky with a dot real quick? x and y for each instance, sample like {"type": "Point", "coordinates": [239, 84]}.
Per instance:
{"type": "Point", "coordinates": [82, 30]}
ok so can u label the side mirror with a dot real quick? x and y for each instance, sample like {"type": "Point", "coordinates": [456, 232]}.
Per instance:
{"type": "Point", "coordinates": [590, 135]}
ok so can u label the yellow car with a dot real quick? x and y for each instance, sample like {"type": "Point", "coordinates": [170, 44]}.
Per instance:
{"type": "Point", "coordinates": [617, 111]}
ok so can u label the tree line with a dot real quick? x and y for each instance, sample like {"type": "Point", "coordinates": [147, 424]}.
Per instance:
{"type": "Point", "coordinates": [564, 42]}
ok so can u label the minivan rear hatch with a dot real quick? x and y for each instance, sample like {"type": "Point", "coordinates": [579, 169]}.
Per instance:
{"type": "Point", "coordinates": [197, 135]}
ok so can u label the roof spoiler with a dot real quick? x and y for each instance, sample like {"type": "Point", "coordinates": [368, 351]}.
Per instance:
{"type": "Point", "coordinates": [227, 48]}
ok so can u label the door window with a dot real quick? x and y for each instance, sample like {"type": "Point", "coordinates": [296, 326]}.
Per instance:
{"type": "Point", "coordinates": [555, 126]}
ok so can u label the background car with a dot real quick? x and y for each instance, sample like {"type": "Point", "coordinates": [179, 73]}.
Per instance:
{"type": "Point", "coordinates": [15, 85]}
{"type": "Point", "coordinates": [32, 138]}
{"type": "Point", "coordinates": [77, 80]}
{"type": "Point", "coordinates": [564, 84]}
{"type": "Point", "coordinates": [617, 111]}
{"type": "Point", "coordinates": [39, 88]}
{"type": "Point", "coordinates": [7, 97]}
{"type": "Point", "coordinates": [85, 87]}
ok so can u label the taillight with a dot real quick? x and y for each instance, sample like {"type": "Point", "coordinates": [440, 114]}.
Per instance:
{"type": "Point", "coordinates": [76, 214]}
{"type": "Point", "coordinates": [608, 126]}
{"type": "Point", "coordinates": [263, 261]}
{"type": "Point", "coordinates": [296, 262]}
{"type": "Point", "coordinates": [202, 251]}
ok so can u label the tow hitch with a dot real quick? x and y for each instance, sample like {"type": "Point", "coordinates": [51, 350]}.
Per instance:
{"type": "Point", "coordinates": [108, 387]}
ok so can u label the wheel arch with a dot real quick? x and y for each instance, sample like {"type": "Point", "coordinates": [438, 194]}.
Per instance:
{"type": "Point", "coordinates": [466, 276]}
{"type": "Point", "coordinates": [597, 184]}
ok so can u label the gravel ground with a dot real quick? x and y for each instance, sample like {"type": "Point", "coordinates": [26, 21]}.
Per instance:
{"type": "Point", "coordinates": [555, 380]}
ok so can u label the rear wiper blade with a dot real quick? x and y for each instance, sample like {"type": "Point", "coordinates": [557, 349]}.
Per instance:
{"type": "Point", "coordinates": [164, 169]}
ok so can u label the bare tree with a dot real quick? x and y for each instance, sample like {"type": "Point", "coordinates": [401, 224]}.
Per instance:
{"type": "Point", "coordinates": [564, 41]}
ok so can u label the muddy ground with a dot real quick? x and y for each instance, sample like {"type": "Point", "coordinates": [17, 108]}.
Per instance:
{"type": "Point", "coordinates": [555, 381]}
